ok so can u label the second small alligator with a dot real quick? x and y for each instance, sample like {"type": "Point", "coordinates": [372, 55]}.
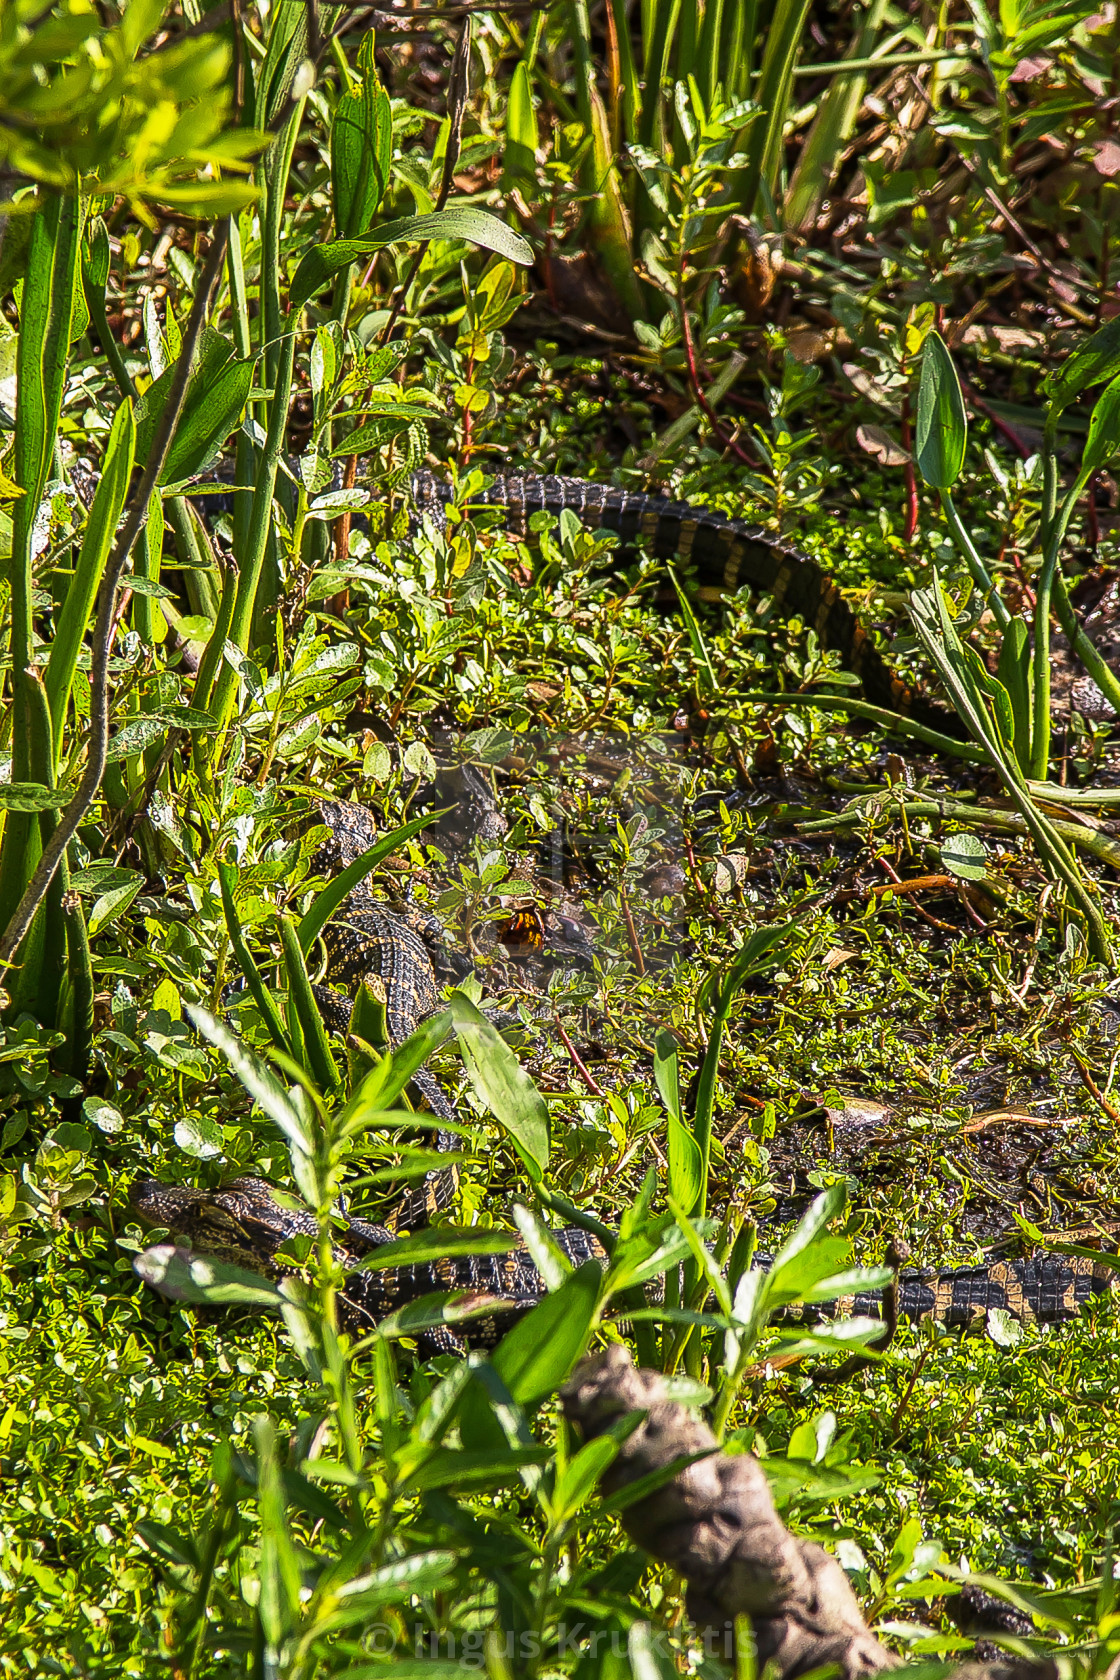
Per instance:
{"type": "Point", "coordinates": [243, 1223]}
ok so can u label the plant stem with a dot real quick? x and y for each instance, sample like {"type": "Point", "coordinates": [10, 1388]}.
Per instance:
{"type": "Point", "coordinates": [96, 758]}
{"type": "Point", "coordinates": [979, 572]}
{"type": "Point", "coordinates": [221, 703]}
{"type": "Point", "coordinates": [894, 721]}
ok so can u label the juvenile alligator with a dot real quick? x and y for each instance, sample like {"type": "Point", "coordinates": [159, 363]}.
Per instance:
{"type": "Point", "coordinates": [367, 942]}
{"type": "Point", "coordinates": [724, 554]}
{"type": "Point", "coordinates": [244, 1223]}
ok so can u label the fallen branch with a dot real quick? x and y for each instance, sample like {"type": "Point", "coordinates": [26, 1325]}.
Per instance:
{"type": "Point", "coordinates": [715, 1523]}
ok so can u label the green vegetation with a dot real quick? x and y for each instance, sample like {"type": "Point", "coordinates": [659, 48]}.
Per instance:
{"type": "Point", "coordinates": [847, 273]}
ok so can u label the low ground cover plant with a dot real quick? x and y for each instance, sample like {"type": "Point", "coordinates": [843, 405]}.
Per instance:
{"type": "Point", "coordinates": [849, 981]}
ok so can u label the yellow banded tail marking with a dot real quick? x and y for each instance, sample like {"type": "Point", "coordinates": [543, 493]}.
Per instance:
{"type": "Point", "coordinates": [735, 554]}
{"type": "Point", "coordinates": [687, 537]}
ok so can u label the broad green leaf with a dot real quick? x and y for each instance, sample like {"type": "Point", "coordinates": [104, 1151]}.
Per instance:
{"type": "Point", "coordinates": [202, 1279]}
{"type": "Point", "coordinates": [365, 439]}
{"type": "Point", "coordinates": [210, 414]}
{"type": "Point", "coordinates": [199, 1136]}
{"type": "Point", "coordinates": [1104, 429]}
{"type": "Point", "coordinates": [33, 796]}
{"type": "Point", "coordinates": [942, 427]}
{"type": "Point", "coordinates": [217, 391]}
{"type": "Point", "coordinates": [111, 905]}
{"type": "Point", "coordinates": [361, 152]}
{"type": "Point", "coordinates": [474, 227]}
{"type": "Point", "coordinates": [502, 1083]}
{"type": "Point", "coordinates": [1095, 362]}
{"type": "Point", "coordinates": [965, 856]}
{"type": "Point", "coordinates": [536, 1356]}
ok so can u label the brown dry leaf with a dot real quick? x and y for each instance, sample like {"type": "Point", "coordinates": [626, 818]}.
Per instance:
{"type": "Point", "coordinates": [1009, 339]}
{"type": "Point", "coordinates": [882, 445]}
{"type": "Point", "coordinates": [1028, 68]}
{"type": "Point", "coordinates": [835, 957]}
{"type": "Point", "coordinates": [807, 345]}
{"type": "Point", "coordinates": [871, 388]}
{"type": "Point", "coordinates": [1106, 158]}
{"type": "Point", "coordinates": [859, 1111]}
{"type": "Point", "coordinates": [541, 692]}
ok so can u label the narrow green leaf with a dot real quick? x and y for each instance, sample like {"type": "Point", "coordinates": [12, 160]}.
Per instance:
{"type": "Point", "coordinates": [203, 1279]}
{"type": "Point", "coordinates": [445, 1308]}
{"type": "Point", "coordinates": [256, 1078]}
{"type": "Point", "coordinates": [475, 227]}
{"type": "Point", "coordinates": [358, 1599]}
{"type": "Point", "coordinates": [456, 1468]}
{"type": "Point", "coordinates": [280, 1575]}
{"type": "Point", "coordinates": [553, 1265]}
{"type": "Point", "coordinates": [361, 150]}
{"type": "Point", "coordinates": [1014, 672]}
{"type": "Point", "coordinates": [810, 1227]}
{"type": "Point", "coordinates": [942, 426]}
{"type": "Point", "coordinates": [262, 997]}
{"type": "Point", "coordinates": [577, 1481]}
{"type": "Point", "coordinates": [686, 1164]}
{"type": "Point", "coordinates": [325, 903]}
{"type": "Point", "coordinates": [439, 1243]}
{"type": "Point", "coordinates": [519, 163]}
{"type": "Point", "coordinates": [302, 1006]}
{"type": "Point", "coordinates": [706, 1267]}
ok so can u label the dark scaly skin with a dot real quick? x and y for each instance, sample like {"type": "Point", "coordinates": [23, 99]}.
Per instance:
{"type": "Point", "coordinates": [243, 1223]}
{"type": "Point", "coordinates": [367, 942]}
{"type": "Point", "coordinates": [725, 554]}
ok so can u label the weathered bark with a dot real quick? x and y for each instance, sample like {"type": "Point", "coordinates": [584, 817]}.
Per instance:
{"type": "Point", "coordinates": [715, 1523]}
